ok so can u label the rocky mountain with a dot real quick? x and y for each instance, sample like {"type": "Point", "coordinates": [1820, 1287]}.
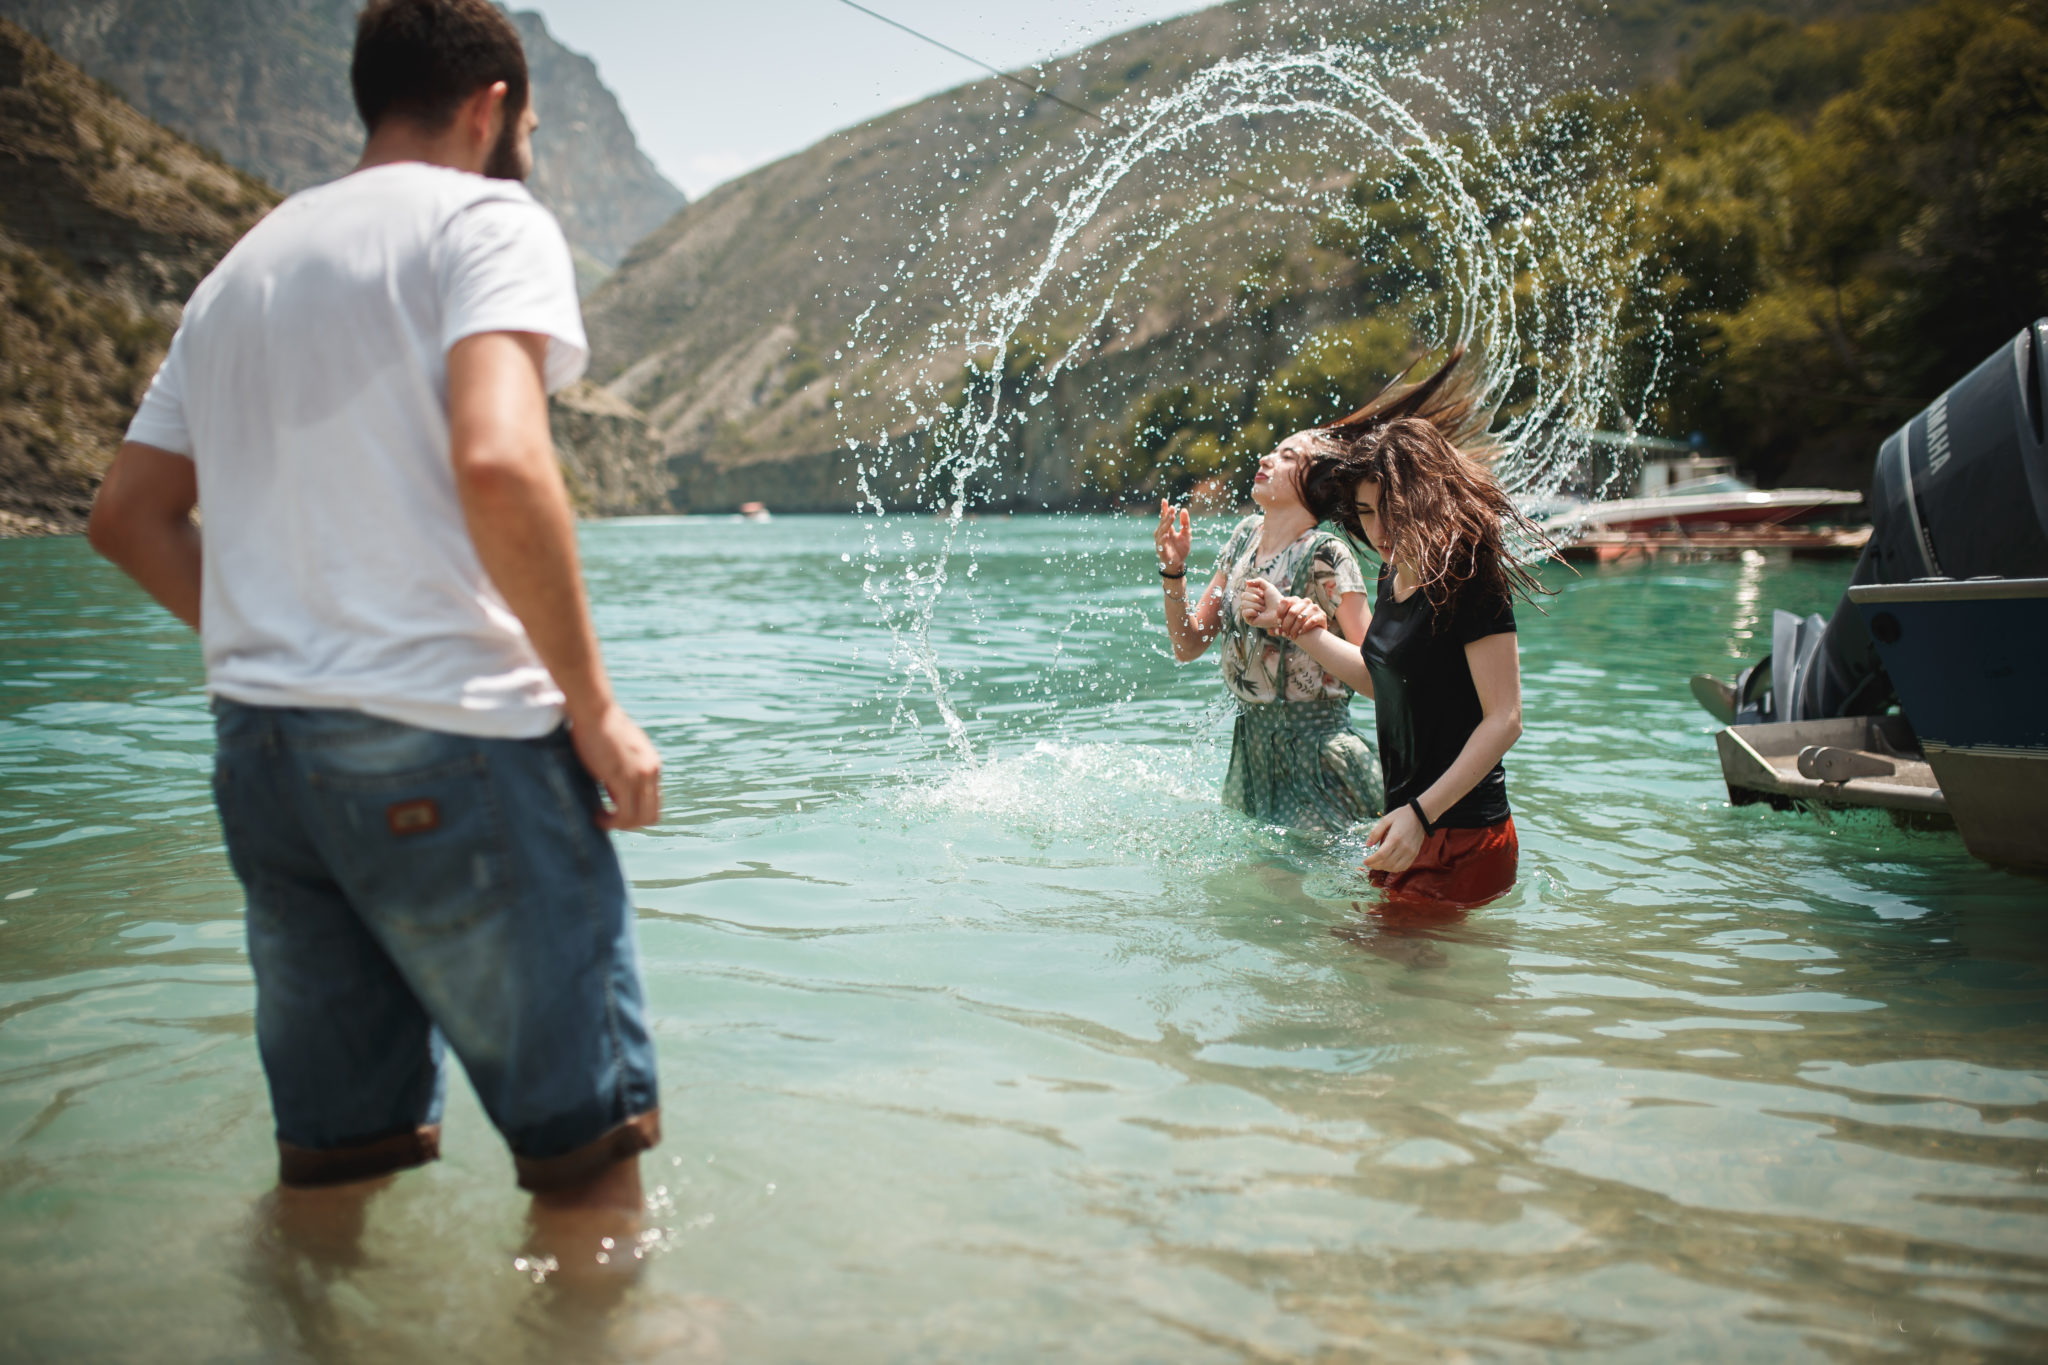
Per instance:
{"type": "Point", "coordinates": [107, 222]}
{"type": "Point", "coordinates": [732, 328]}
{"type": "Point", "coordinates": [610, 460]}
{"type": "Point", "coordinates": [265, 84]}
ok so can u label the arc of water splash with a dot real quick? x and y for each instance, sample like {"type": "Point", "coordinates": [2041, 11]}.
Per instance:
{"type": "Point", "coordinates": [1481, 269]}
{"type": "Point", "coordinates": [1479, 277]}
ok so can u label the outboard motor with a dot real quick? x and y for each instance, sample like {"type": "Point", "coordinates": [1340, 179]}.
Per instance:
{"type": "Point", "coordinates": [1961, 491]}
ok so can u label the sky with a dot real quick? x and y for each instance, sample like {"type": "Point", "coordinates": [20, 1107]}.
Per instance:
{"type": "Point", "coordinates": [715, 89]}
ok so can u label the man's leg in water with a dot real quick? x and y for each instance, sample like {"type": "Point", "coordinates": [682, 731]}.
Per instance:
{"type": "Point", "coordinates": [351, 1058]}
{"type": "Point", "coordinates": [479, 864]}
{"type": "Point", "coordinates": [589, 1234]}
{"type": "Point", "coordinates": [323, 1223]}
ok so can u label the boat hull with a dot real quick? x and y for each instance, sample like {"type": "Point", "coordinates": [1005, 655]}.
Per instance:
{"type": "Point", "coordinates": [1968, 660]}
{"type": "Point", "coordinates": [1727, 514]}
{"type": "Point", "coordinates": [1753, 508]}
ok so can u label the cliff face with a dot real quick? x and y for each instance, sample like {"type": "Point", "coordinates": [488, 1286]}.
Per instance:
{"type": "Point", "coordinates": [587, 166]}
{"type": "Point", "coordinates": [610, 459]}
{"type": "Point", "coordinates": [265, 84]}
{"type": "Point", "coordinates": [107, 222]}
{"type": "Point", "coordinates": [732, 326]}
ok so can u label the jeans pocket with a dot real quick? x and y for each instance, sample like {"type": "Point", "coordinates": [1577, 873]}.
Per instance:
{"type": "Point", "coordinates": [421, 852]}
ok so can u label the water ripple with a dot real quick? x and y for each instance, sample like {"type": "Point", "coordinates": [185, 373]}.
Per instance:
{"type": "Point", "coordinates": [1055, 1035]}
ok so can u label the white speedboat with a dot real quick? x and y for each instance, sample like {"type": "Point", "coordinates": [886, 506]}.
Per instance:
{"type": "Point", "coordinates": [1693, 492]}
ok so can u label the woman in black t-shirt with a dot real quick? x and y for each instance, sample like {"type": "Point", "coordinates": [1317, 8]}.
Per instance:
{"type": "Point", "coordinates": [1440, 659]}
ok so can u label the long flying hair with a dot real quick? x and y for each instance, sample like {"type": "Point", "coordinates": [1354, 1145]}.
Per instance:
{"type": "Point", "coordinates": [1441, 510]}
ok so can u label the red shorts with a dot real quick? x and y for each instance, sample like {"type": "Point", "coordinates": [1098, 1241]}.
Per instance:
{"type": "Point", "coordinates": [1457, 867]}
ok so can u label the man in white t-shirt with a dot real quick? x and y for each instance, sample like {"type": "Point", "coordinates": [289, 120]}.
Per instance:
{"type": "Point", "coordinates": [414, 721]}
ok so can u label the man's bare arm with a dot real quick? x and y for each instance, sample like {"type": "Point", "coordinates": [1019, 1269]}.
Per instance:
{"type": "Point", "coordinates": [518, 515]}
{"type": "Point", "coordinates": [142, 521]}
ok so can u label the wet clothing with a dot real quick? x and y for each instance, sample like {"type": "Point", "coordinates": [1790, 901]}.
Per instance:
{"type": "Point", "coordinates": [1315, 565]}
{"type": "Point", "coordinates": [1424, 700]}
{"type": "Point", "coordinates": [308, 383]}
{"type": "Point", "coordinates": [1294, 758]}
{"type": "Point", "coordinates": [406, 814]}
{"type": "Point", "coordinates": [1300, 764]}
{"type": "Point", "coordinates": [1457, 867]}
{"type": "Point", "coordinates": [411, 890]}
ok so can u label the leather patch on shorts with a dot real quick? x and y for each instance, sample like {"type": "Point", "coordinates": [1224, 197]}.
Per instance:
{"type": "Point", "coordinates": [413, 817]}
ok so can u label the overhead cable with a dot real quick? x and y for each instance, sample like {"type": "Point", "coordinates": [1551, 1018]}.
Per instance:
{"type": "Point", "coordinates": [1014, 80]}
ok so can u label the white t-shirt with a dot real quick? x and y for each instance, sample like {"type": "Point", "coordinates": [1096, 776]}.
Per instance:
{"type": "Point", "coordinates": [309, 385]}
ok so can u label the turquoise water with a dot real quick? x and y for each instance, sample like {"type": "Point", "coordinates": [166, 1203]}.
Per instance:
{"type": "Point", "coordinates": [1044, 1055]}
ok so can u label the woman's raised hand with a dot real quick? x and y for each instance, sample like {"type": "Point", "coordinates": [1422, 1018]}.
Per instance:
{"type": "Point", "coordinates": [1174, 539]}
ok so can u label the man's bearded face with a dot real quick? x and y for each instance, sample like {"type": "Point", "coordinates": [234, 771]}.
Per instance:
{"type": "Point", "coordinates": [511, 156]}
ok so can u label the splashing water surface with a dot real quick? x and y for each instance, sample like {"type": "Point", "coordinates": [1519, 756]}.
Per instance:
{"type": "Point", "coordinates": [1475, 209]}
{"type": "Point", "coordinates": [1050, 1055]}
{"type": "Point", "coordinates": [1044, 1053]}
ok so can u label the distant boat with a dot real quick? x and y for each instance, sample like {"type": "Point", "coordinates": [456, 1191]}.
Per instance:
{"type": "Point", "coordinates": [1691, 492]}
{"type": "Point", "coordinates": [754, 511]}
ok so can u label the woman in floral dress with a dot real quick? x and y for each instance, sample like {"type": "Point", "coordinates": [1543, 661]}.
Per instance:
{"type": "Point", "coordinates": [1294, 758]}
{"type": "Point", "coordinates": [1410, 475]}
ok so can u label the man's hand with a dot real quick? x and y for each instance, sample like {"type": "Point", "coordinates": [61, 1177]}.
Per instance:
{"type": "Point", "coordinates": [622, 758]}
{"type": "Point", "coordinates": [142, 521]}
{"type": "Point", "coordinates": [518, 516]}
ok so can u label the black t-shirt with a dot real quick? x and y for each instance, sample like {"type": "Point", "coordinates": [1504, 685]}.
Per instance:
{"type": "Point", "coordinates": [1424, 699]}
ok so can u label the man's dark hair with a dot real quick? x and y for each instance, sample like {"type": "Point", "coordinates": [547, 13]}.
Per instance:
{"type": "Point", "coordinates": [419, 59]}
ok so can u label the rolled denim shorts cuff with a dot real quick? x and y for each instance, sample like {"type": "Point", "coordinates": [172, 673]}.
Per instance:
{"type": "Point", "coordinates": [309, 1167]}
{"type": "Point", "coordinates": [546, 1175]}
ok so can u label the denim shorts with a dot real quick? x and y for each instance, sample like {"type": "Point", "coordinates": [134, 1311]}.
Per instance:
{"type": "Point", "coordinates": [411, 890]}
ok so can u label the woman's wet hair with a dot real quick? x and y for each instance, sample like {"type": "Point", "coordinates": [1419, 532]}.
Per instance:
{"type": "Point", "coordinates": [420, 59]}
{"type": "Point", "coordinates": [1440, 509]}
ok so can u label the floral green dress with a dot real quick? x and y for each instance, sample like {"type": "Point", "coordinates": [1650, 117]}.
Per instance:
{"type": "Point", "coordinates": [1294, 758]}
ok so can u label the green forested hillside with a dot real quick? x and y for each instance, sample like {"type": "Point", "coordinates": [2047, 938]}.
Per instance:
{"type": "Point", "coordinates": [1853, 215]}
{"type": "Point", "coordinates": [733, 328]}
{"type": "Point", "coordinates": [1843, 216]}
